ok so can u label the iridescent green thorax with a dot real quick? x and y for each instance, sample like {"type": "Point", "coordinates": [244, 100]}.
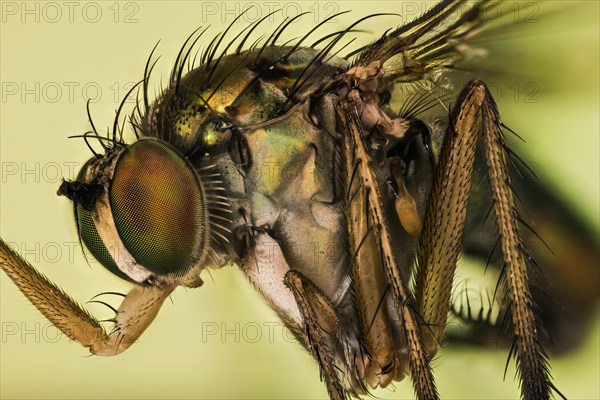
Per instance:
{"type": "Point", "coordinates": [197, 115]}
{"type": "Point", "coordinates": [241, 161]}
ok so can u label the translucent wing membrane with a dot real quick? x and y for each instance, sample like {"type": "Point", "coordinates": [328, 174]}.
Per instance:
{"type": "Point", "coordinates": [432, 43]}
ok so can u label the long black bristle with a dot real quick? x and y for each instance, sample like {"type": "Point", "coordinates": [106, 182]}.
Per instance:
{"type": "Point", "coordinates": [116, 121]}
{"type": "Point", "coordinates": [283, 28]}
{"type": "Point", "coordinates": [254, 26]}
{"type": "Point", "coordinates": [314, 29]}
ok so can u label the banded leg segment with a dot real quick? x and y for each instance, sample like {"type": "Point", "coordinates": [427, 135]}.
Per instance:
{"type": "Point", "coordinates": [136, 313]}
{"type": "Point", "coordinates": [476, 113]}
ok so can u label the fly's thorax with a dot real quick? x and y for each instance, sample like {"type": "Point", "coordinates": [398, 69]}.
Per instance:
{"type": "Point", "coordinates": [147, 218]}
{"type": "Point", "coordinates": [201, 108]}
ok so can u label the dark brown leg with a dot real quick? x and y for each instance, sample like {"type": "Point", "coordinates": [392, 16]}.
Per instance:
{"type": "Point", "coordinates": [371, 246]}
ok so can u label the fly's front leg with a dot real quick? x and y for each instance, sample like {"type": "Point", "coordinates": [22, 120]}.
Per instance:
{"type": "Point", "coordinates": [297, 301]}
{"type": "Point", "coordinates": [320, 323]}
{"type": "Point", "coordinates": [136, 313]}
{"type": "Point", "coordinates": [476, 114]}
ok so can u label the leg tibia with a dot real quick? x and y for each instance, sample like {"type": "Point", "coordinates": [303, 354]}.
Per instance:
{"type": "Point", "coordinates": [475, 114]}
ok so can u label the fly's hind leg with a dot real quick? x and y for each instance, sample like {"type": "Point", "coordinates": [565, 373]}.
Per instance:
{"type": "Point", "coordinates": [136, 313]}
{"type": "Point", "coordinates": [475, 117]}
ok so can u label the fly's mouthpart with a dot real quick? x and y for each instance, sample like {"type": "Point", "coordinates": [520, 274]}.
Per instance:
{"type": "Point", "coordinates": [83, 194]}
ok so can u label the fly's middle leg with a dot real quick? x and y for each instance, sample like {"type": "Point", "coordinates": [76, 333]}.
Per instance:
{"type": "Point", "coordinates": [371, 248]}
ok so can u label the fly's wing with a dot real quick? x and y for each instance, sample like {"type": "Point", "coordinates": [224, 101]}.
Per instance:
{"type": "Point", "coordinates": [431, 44]}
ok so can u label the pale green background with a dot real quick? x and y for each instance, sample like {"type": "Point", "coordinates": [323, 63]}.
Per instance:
{"type": "Point", "coordinates": [172, 360]}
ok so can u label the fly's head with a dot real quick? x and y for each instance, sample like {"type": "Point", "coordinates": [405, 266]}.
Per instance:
{"type": "Point", "coordinates": [141, 210]}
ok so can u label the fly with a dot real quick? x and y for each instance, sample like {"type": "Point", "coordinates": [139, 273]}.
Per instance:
{"type": "Point", "coordinates": [386, 188]}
